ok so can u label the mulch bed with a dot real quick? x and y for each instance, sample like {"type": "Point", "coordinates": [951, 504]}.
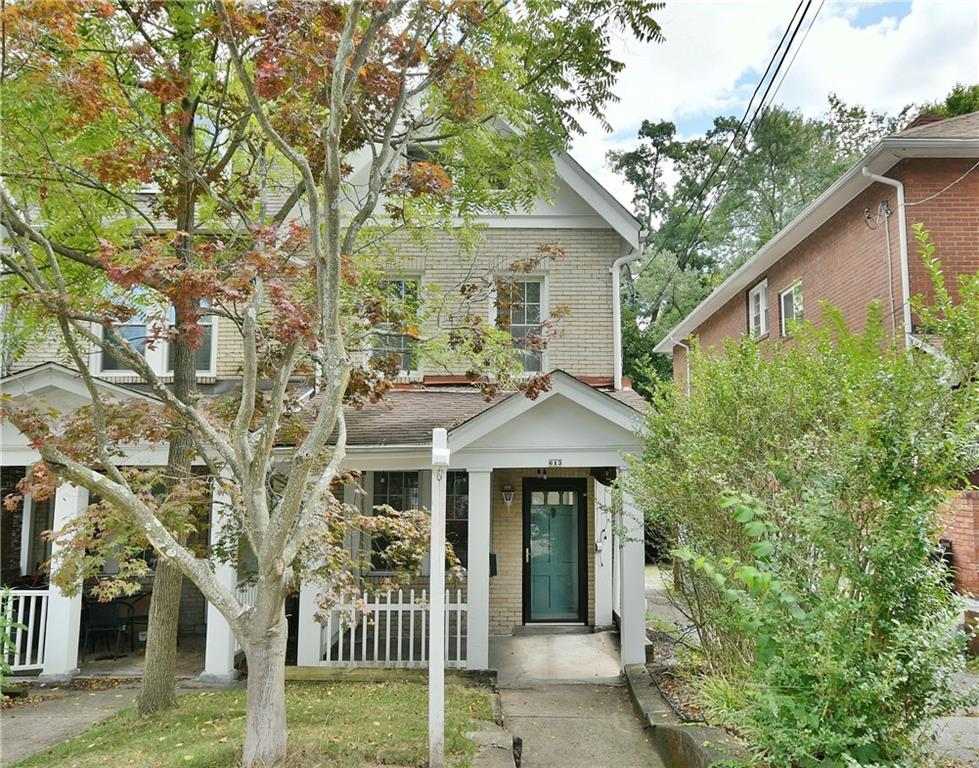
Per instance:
{"type": "Point", "coordinates": [663, 669]}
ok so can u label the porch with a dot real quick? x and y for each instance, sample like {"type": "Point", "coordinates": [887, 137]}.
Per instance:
{"type": "Point", "coordinates": [544, 538]}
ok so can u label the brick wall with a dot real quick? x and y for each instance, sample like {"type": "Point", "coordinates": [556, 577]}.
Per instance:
{"type": "Point", "coordinates": [580, 280]}
{"type": "Point", "coordinates": [962, 529]}
{"type": "Point", "coordinates": [845, 262]}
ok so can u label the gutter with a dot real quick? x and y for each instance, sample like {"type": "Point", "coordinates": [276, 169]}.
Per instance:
{"type": "Point", "coordinates": [616, 270]}
{"type": "Point", "coordinates": [902, 226]}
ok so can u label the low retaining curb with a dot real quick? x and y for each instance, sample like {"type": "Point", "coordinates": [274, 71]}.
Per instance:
{"type": "Point", "coordinates": [680, 745]}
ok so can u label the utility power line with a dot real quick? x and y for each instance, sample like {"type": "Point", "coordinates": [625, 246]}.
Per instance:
{"type": "Point", "coordinates": [740, 137]}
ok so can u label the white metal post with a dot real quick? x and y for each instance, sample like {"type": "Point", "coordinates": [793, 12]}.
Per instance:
{"type": "Point", "coordinates": [632, 630]}
{"type": "Point", "coordinates": [436, 636]}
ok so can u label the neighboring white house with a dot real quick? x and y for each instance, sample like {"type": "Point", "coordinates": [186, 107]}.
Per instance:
{"type": "Point", "coordinates": [529, 502]}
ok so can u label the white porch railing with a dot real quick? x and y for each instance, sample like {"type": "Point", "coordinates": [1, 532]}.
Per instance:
{"type": "Point", "coordinates": [390, 629]}
{"type": "Point", "coordinates": [29, 609]}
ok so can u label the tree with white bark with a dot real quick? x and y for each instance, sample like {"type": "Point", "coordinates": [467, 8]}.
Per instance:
{"type": "Point", "coordinates": [320, 96]}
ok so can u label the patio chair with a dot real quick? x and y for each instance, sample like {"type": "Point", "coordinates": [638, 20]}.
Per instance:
{"type": "Point", "coordinates": [104, 619]}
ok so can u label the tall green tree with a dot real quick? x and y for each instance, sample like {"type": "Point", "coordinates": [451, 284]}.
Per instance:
{"type": "Point", "coordinates": [725, 203]}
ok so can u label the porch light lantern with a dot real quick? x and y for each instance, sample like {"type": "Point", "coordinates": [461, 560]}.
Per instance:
{"type": "Point", "coordinates": [507, 495]}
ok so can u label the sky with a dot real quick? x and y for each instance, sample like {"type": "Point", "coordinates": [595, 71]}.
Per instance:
{"type": "Point", "coordinates": [878, 53]}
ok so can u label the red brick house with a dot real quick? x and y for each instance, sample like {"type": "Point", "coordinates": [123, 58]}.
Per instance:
{"type": "Point", "coordinates": [854, 245]}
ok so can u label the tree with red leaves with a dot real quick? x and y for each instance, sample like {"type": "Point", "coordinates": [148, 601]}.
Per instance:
{"type": "Point", "coordinates": [225, 108]}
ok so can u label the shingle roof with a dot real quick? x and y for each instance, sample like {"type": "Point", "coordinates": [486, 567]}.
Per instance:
{"type": "Point", "coordinates": [408, 416]}
{"type": "Point", "coordinates": [961, 127]}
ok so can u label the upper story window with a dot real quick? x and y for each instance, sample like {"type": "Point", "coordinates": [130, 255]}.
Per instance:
{"type": "Point", "coordinates": [520, 309]}
{"type": "Point", "coordinates": [790, 305]}
{"type": "Point", "coordinates": [758, 310]}
{"type": "Point", "coordinates": [133, 332]}
{"type": "Point", "coordinates": [400, 347]}
{"type": "Point", "coordinates": [160, 357]}
{"type": "Point", "coordinates": [204, 354]}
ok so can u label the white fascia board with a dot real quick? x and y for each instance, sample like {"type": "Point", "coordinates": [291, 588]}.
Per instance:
{"type": "Point", "coordinates": [882, 157]}
{"type": "Point", "coordinates": [57, 376]}
{"type": "Point", "coordinates": [600, 199]}
{"type": "Point", "coordinates": [517, 404]}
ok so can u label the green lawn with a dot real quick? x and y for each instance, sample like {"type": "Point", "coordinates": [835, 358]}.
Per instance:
{"type": "Point", "coordinates": [330, 724]}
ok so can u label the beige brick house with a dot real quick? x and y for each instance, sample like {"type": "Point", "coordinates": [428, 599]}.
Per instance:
{"type": "Point", "coordinates": [529, 499]}
{"type": "Point", "coordinates": [854, 245]}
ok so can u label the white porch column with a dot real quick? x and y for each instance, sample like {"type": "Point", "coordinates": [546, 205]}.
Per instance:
{"type": "Point", "coordinates": [603, 555]}
{"type": "Point", "coordinates": [477, 577]}
{"type": "Point", "coordinates": [632, 614]}
{"type": "Point", "coordinates": [64, 612]}
{"type": "Point", "coordinates": [219, 651]}
{"type": "Point", "coordinates": [309, 641]}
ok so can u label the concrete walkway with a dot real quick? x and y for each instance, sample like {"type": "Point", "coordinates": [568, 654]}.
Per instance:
{"type": "Point", "coordinates": [562, 695]}
{"type": "Point", "coordinates": [523, 660]}
{"type": "Point", "coordinates": [61, 714]}
{"type": "Point", "coordinates": [577, 726]}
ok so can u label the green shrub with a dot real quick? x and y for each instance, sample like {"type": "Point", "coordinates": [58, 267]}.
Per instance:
{"type": "Point", "coordinates": [803, 484]}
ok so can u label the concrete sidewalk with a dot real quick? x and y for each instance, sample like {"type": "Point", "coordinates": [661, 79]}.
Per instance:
{"type": "Point", "coordinates": [61, 714]}
{"type": "Point", "coordinates": [577, 726]}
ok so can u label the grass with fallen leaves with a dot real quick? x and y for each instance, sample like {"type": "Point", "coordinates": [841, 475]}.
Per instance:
{"type": "Point", "coordinates": [330, 724]}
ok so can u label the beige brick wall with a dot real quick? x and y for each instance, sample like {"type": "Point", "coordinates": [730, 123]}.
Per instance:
{"type": "Point", "coordinates": [506, 588]}
{"type": "Point", "coordinates": [579, 280]}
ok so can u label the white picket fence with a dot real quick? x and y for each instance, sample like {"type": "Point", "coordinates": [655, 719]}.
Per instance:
{"type": "Point", "coordinates": [27, 608]}
{"type": "Point", "coordinates": [390, 629]}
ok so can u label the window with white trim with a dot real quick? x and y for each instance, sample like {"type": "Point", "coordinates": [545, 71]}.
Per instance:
{"type": "Point", "coordinates": [158, 356]}
{"type": "Point", "coordinates": [204, 354]}
{"type": "Point", "coordinates": [758, 310]}
{"type": "Point", "coordinates": [135, 333]}
{"type": "Point", "coordinates": [400, 347]}
{"type": "Point", "coordinates": [457, 514]}
{"type": "Point", "coordinates": [790, 306]}
{"type": "Point", "coordinates": [520, 309]}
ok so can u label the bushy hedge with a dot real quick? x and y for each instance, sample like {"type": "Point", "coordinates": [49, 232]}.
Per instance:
{"type": "Point", "coordinates": [803, 484]}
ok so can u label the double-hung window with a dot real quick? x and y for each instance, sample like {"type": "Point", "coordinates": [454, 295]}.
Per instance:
{"type": "Point", "coordinates": [204, 354]}
{"type": "Point", "coordinates": [520, 309]}
{"type": "Point", "coordinates": [790, 305]}
{"type": "Point", "coordinates": [758, 310]}
{"type": "Point", "coordinates": [134, 332]}
{"type": "Point", "coordinates": [401, 348]}
{"type": "Point", "coordinates": [398, 490]}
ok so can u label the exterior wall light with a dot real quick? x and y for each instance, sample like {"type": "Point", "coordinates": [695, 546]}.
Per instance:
{"type": "Point", "coordinates": [508, 495]}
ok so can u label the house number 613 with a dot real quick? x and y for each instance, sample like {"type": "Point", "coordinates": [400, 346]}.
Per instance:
{"type": "Point", "coordinates": [554, 462]}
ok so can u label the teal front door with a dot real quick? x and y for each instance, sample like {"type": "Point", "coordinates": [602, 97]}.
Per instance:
{"type": "Point", "coordinates": [554, 559]}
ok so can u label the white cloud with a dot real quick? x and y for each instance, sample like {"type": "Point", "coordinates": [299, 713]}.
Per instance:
{"type": "Point", "coordinates": [715, 52]}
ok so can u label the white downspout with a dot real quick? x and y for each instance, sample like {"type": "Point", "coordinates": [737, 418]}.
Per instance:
{"type": "Point", "coordinates": [616, 270]}
{"type": "Point", "coordinates": [686, 360]}
{"type": "Point", "coordinates": [902, 227]}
